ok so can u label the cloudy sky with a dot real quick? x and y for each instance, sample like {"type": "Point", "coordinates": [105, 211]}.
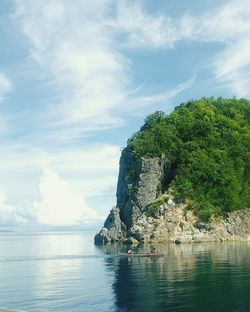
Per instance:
{"type": "Point", "coordinates": [78, 77]}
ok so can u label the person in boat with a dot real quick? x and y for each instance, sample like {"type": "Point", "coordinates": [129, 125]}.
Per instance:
{"type": "Point", "coordinates": [153, 250]}
{"type": "Point", "coordinates": [130, 252]}
{"type": "Point", "coordinates": [140, 250]}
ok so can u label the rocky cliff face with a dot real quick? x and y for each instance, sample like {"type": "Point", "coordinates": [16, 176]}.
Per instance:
{"type": "Point", "coordinates": [175, 223]}
{"type": "Point", "coordinates": [143, 212]}
{"type": "Point", "coordinates": [139, 183]}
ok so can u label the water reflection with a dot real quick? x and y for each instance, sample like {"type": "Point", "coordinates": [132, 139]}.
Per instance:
{"type": "Point", "coordinates": [53, 272]}
{"type": "Point", "coordinates": [66, 272]}
{"type": "Point", "coordinates": [189, 277]}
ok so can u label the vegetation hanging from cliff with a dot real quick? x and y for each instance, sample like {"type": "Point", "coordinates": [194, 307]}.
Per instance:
{"type": "Point", "coordinates": [208, 144]}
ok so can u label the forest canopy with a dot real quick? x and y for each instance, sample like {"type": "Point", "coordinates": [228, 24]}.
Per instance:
{"type": "Point", "coordinates": [208, 144]}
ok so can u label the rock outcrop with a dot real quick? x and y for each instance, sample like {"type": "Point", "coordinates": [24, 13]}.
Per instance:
{"type": "Point", "coordinates": [139, 184]}
{"type": "Point", "coordinates": [113, 230]}
{"type": "Point", "coordinates": [176, 223]}
{"type": "Point", "coordinates": [146, 213]}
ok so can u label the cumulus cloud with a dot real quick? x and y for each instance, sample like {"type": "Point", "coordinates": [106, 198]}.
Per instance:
{"type": "Point", "coordinates": [91, 170]}
{"type": "Point", "coordinates": [5, 85]}
{"type": "Point", "coordinates": [8, 213]}
{"type": "Point", "coordinates": [59, 205]}
{"type": "Point", "coordinates": [88, 173]}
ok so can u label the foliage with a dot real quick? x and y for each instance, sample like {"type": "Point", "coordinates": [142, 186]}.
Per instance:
{"type": "Point", "coordinates": [208, 144]}
{"type": "Point", "coordinates": [153, 208]}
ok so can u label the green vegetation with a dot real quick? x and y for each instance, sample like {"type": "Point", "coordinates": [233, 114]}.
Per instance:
{"type": "Point", "coordinates": [208, 144]}
{"type": "Point", "coordinates": [153, 208]}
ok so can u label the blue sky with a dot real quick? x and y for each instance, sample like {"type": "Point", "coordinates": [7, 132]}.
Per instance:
{"type": "Point", "coordinates": [77, 79]}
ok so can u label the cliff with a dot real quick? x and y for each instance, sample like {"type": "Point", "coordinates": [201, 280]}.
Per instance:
{"type": "Point", "coordinates": [146, 212]}
{"type": "Point", "coordinates": [185, 176]}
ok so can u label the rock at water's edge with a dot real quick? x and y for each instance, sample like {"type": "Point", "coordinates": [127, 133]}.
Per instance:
{"type": "Point", "coordinates": [140, 183]}
{"type": "Point", "coordinates": [113, 229]}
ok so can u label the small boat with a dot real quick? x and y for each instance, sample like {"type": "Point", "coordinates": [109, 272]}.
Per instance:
{"type": "Point", "coordinates": [140, 254]}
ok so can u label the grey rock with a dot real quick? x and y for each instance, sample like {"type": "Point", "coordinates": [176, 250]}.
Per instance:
{"type": "Point", "coordinates": [113, 229]}
{"type": "Point", "coordinates": [139, 185]}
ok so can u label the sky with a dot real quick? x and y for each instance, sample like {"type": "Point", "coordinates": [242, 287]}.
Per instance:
{"type": "Point", "coordinates": [78, 78]}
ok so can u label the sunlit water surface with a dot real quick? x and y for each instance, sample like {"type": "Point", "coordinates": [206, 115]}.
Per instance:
{"type": "Point", "coordinates": [64, 271]}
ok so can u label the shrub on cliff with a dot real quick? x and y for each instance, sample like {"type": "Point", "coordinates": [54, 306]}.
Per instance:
{"type": "Point", "coordinates": [208, 144]}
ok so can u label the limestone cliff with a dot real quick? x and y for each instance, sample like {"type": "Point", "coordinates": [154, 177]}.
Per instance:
{"type": "Point", "coordinates": [145, 212]}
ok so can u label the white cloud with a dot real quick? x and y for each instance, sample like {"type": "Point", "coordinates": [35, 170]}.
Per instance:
{"type": "Point", "coordinates": [230, 25]}
{"type": "Point", "coordinates": [77, 44]}
{"type": "Point", "coordinates": [161, 98]}
{"type": "Point", "coordinates": [59, 204]}
{"type": "Point", "coordinates": [90, 173]}
{"type": "Point", "coordinates": [5, 85]}
{"type": "Point", "coordinates": [233, 59]}
{"type": "Point", "coordinates": [142, 29]}
{"type": "Point", "coordinates": [80, 45]}
{"type": "Point", "coordinates": [100, 157]}
{"type": "Point", "coordinates": [227, 24]}
{"type": "Point", "coordinates": [71, 41]}
{"type": "Point", "coordinates": [8, 213]}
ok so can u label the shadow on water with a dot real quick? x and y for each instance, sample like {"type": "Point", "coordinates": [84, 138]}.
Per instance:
{"type": "Point", "coordinates": [189, 277]}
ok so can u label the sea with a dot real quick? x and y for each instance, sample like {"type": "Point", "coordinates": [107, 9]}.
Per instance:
{"type": "Point", "coordinates": [62, 270]}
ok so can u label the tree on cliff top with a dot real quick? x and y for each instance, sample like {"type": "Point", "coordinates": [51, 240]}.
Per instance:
{"type": "Point", "coordinates": [208, 144]}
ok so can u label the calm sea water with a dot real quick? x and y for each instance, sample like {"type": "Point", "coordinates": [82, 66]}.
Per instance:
{"type": "Point", "coordinates": [64, 271]}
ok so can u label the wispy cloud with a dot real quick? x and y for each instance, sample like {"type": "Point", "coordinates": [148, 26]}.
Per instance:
{"type": "Point", "coordinates": [77, 44]}
{"type": "Point", "coordinates": [230, 25]}
{"type": "Point", "coordinates": [160, 98]}
{"type": "Point", "coordinates": [5, 86]}
{"type": "Point", "coordinates": [82, 47]}
{"type": "Point", "coordinates": [142, 29]}
{"type": "Point", "coordinates": [71, 41]}
{"type": "Point", "coordinates": [227, 24]}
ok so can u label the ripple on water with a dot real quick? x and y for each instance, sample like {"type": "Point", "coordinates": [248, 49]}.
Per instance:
{"type": "Point", "coordinates": [68, 273]}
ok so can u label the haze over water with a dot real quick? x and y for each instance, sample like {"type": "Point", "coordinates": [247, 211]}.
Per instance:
{"type": "Point", "coordinates": [64, 271]}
